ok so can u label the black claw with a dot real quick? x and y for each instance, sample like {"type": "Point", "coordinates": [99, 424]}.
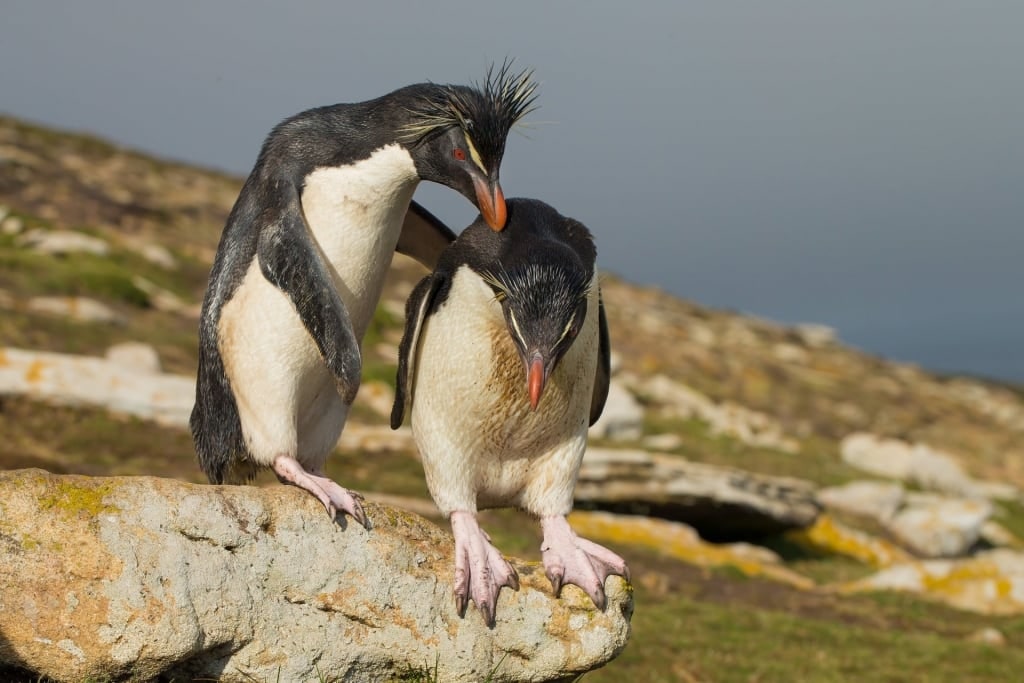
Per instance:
{"type": "Point", "coordinates": [359, 514]}
{"type": "Point", "coordinates": [513, 579]}
{"type": "Point", "coordinates": [600, 601]}
{"type": "Point", "coordinates": [487, 610]}
{"type": "Point", "coordinates": [556, 584]}
{"type": "Point", "coordinates": [460, 605]}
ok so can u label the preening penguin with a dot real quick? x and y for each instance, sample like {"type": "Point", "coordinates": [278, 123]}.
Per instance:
{"type": "Point", "coordinates": [302, 261]}
{"type": "Point", "coordinates": [503, 365]}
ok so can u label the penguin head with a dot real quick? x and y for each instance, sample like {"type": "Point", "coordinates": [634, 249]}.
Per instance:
{"type": "Point", "coordinates": [456, 135]}
{"type": "Point", "coordinates": [543, 298]}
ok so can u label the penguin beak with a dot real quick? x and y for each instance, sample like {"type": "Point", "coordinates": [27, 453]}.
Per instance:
{"type": "Point", "coordinates": [535, 378]}
{"type": "Point", "coordinates": [491, 201]}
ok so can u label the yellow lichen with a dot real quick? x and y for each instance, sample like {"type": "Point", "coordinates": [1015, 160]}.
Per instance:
{"type": "Point", "coordinates": [827, 534]}
{"type": "Point", "coordinates": [77, 500]}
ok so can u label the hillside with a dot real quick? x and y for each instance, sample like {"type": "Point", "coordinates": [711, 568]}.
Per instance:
{"type": "Point", "coordinates": [713, 387]}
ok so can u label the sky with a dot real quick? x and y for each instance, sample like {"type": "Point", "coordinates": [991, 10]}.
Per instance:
{"type": "Point", "coordinates": [856, 164]}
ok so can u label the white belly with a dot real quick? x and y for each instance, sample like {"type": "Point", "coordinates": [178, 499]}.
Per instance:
{"type": "Point", "coordinates": [481, 444]}
{"type": "Point", "coordinates": [286, 397]}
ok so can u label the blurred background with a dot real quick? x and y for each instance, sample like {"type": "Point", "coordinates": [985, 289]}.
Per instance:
{"type": "Point", "coordinates": [859, 165]}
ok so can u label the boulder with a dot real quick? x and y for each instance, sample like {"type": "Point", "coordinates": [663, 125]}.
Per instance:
{"type": "Point", "coordinates": [720, 502]}
{"type": "Point", "coordinates": [916, 464]}
{"type": "Point", "coordinates": [875, 500]}
{"type": "Point", "coordinates": [934, 526]}
{"type": "Point", "coordinates": [134, 356]}
{"type": "Point", "coordinates": [85, 380]}
{"type": "Point", "coordinates": [139, 577]}
{"type": "Point", "coordinates": [79, 308]}
{"type": "Point", "coordinates": [622, 418]}
{"type": "Point", "coordinates": [63, 242]}
{"type": "Point", "coordinates": [991, 582]}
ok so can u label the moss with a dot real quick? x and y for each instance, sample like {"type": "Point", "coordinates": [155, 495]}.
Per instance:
{"type": "Point", "coordinates": [78, 500]}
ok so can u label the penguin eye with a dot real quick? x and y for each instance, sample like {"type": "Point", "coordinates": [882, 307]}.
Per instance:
{"type": "Point", "coordinates": [459, 154]}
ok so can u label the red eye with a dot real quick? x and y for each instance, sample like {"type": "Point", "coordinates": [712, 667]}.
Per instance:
{"type": "Point", "coordinates": [459, 154]}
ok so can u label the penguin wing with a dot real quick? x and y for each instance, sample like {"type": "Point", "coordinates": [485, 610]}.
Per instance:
{"type": "Point", "coordinates": [423, 236]}
{"type": "Point", "coordinates": [604, 364]}
{"type": "Point", "coordinates": [416, 311]}
{"type": "Point", "coordinates": [289, 261]}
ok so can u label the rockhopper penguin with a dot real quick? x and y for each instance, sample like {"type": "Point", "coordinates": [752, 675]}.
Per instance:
{"type": "Point", "coordinates": [503, 365]}
{"type": "Point", "coordinates": [302, 261]}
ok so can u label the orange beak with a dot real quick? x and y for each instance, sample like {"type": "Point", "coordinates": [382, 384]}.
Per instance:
{"type": "Point", "coordinates": [491, 202]}
{"type": "Point", "coordinates": [535, 380]}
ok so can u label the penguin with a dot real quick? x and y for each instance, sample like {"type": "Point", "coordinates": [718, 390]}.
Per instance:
{"type": "Point", "coordinates": [302, 261]}
{"type": "Point", "coordinates": [503, 365]}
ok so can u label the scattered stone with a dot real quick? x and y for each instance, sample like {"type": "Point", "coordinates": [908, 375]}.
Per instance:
{"type": "Point", "coordinates": [84, 380]}
{"type": "Point", "coordinates": [874, 500]}
{"type": "Point", "coordinates": [164, 300]}
{"type": "Point", "coordinates": [721, 502]}
{"type": "Point", "coordinates": [830, 536]}
{"type": "Point", "coordinates": [988, 636]}
{"type": "Point", "coordinates": [663, 442]}
{"type": "Point", "coordinates": [11, 225]}
{"type": "Point", "coordinates": [915, 464]}
{"type": "Point", "coordinates": [77, 308]}
{"type": "Point", "coordinates": [931, 526]}
{"type": "Point", "coordinates": [998, 536]}
{"type": "Point", "coordinates": [815, 335]}
{"type": "Point", "coordinates": [363, 438]}
{"type": "Point", "coordinates": [990, 582]}
{"type": "Point", "coordinates": [790, 353]}
{"type": "Point", "coordinates": [730, 419]}
{"type": "Point", "coordinates": [622, 418]}
{"type": "Point", "coordinates": [63, 242]}
{"type": "Point", "coordinates": [377, 396]}
{"type": "Point", "coordinates": [135, 356]}
{"type": "Point", "coordinates": [682, 542]}
{"type": "Point", "coordinates": [158, 255]}
{"type": "Point", "coordinates": [169, 580]}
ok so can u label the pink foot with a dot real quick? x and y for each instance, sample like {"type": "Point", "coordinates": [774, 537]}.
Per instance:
{"type": "Point", "coordinates": [571, 559]}
{"type": "Point", "coordinates": [480, 570]}
{"type": "Point", "coordinates": [333, 497]}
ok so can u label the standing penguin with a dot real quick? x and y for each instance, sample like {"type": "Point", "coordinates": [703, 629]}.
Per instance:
{"type": "Point", "coordinates": [303, 258]}
{"type": "Point", "coordinates": [503, 365]}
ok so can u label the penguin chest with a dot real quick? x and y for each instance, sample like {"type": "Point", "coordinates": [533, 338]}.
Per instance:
{"type": "Point", "coordinates": [355, 216]}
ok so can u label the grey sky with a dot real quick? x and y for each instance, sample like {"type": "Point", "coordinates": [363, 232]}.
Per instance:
{"type": "Point", "coordinates": [859, 164]}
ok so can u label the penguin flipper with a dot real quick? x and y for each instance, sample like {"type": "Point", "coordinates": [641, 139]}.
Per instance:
{"type": "Point", "coordinates": [290, 262]}
{"type": "Point", "coordinates": [604, 364]}
{"type": "Point", "coordinates": [423, 236]}
{"type": "Point", "coordinates": [417, 309]}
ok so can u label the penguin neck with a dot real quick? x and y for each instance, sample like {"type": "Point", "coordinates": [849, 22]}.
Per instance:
{"type": "Point", "coordinates": [355, 214]}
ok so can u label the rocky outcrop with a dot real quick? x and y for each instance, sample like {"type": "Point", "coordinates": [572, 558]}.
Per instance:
{"type": "Point", "coordinates": [721, 502]}
{"type": "Point", "coordinates": [118, 578]}
{"type": "Point", "coordinates": [84, 380]}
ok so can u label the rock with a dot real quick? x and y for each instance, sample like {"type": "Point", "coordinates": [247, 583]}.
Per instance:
{"type": "Point", "coordinates": [915, 464]}
{"type": "Point", "coordinates": [139, 577]}
{"type": "Point", "coordinates": [622, 418]}
{"type": "Point", "coordinates": [991, 582]}
{"type": "Point", "coordinates": [988, 636]}
{"type": "Point", "coordinates": [932, 526]}
{"type": "Point", "coordinates": [158, 255]}
{"type": "Point", "coordinates": [84, 380]}
{"type": "Point", "coordinates": [377, 396]}
{"type": "Point", "coordinates": [729, 419]}
{"type": "Point", "coordinates": [998, 536]}
{"type": "Point", "coordinates": [721, 502]}
{"type": "Point", "coordinates": [63, 242]}
{"type": "Point", "coordinates": [682, 542]}
{"type": "Point", "coordinates": [164, 300]}
{"type": "Point", "coordinates": [135, 356]}
{"type": "Point", "coordinates": [829, 536]}
{"type": "Point", "coordinates": [874, 500]}
{"type": "Point", "coordinates": [663, 442]}
{"type": "Point", "coordinates": [363, 438]}
{"type": "Point", "coordinates": [814, 335]}
{"type": "Point", "coordinates": [78, 308]}
{"type": "Point", "coordinates": [11, 225]}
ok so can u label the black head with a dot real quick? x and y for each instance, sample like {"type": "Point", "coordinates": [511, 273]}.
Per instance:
{"type": "Point", "coordinates": [456, 135]}
{"type": "Point", "coordinates": [543, 286]}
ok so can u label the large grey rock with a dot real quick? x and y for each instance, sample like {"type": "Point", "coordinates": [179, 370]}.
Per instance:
{"type": "Point", "coordinates": [78, 308]}
{"type": "Point", "coordinates": [876, 500]}
{"type": "Point", "coordinates": [63, 242]}
{"type": "Point", "coordinates": [935, 526]}
{"type": "Point", "coordinates": [138, 577]}
{"type": "Point", "coordinates": [721, 502]}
